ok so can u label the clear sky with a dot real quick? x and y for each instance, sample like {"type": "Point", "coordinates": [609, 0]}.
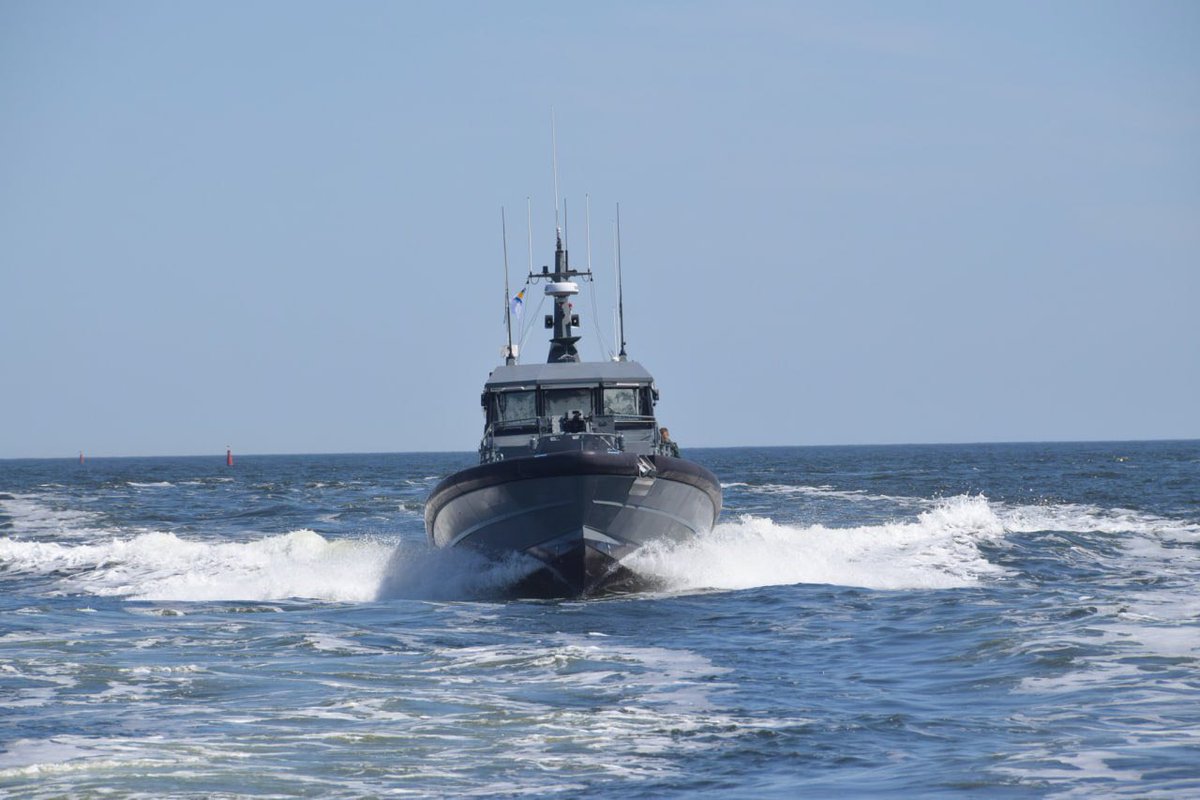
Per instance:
{"type": "Point", "coordinates": [276, 225]}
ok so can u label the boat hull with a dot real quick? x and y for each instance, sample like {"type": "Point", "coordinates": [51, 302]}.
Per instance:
{"type": "Point", "coordinates": [579, 514]}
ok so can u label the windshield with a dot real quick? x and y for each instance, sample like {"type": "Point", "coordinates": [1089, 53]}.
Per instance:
{"type": "Point", "coordinates": [620, 402]}
{"type": "Point", "coordinates": [561, 401]}
{"type": "Point", "coordinates": [511, 406]}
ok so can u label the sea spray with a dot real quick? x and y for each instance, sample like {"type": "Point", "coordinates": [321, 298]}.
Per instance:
{"type": "Point", "coordinates": [937, 551]}
{"type": "Point", "coordinates": [161, 566]}
{"type": "Point", "coordinates": [416, 571]}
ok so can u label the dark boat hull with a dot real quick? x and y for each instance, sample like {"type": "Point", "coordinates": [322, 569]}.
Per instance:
{"type": "Point", "coordinates": [579, 514]}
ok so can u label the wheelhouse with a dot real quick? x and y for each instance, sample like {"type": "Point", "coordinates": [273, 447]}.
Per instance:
{"type": "Point", "coordinates": [535, 409]}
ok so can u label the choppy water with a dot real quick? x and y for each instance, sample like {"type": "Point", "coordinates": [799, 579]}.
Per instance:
{"type": "Point", "coordinates": [986, 620]}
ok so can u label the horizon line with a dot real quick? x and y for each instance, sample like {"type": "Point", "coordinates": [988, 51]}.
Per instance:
{"type": "Point", "coordinates": [217, 454]}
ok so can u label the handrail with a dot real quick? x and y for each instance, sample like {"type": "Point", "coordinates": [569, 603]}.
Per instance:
{"type": "Point", "coordinates": [489, 452]}
{"type": "Point", "coordinates": [546, 424]}
{"type": "Point", "coordinates": [605, 427]}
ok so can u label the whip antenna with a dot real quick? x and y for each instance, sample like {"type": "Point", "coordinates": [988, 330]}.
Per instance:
{"type": "Point", "coordinates": [587, 226]}
{"type": "Point", "coordinates": [529, 225]}
{"type": "Point", "coordinates": [508, 354]}
{"type": "Point", "coordinates": [554, 161]}
{"type": "Point", "coordinates": [616, 286]}
{"type": "Point", "coordinates": [620, 291]}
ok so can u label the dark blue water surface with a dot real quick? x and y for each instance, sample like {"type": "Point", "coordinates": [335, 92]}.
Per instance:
{"type": "Point", "coordinates": [986, 620]}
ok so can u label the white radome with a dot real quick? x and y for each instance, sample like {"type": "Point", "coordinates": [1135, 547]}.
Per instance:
{"type": "Point", "coordinates": [562, 288]}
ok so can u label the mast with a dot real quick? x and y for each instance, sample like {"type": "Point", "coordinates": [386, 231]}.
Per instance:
{"type": "Point", "coordinates": [559, 284]}
{"type": "Point", "coordinates": [562, 288]}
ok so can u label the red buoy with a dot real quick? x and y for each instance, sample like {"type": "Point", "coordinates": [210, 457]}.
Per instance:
{"type": "Point", "coordinates": [229, 457]}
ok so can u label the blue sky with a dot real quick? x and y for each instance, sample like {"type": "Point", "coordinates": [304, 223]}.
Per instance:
{"type": "Point", "coordinates": [275, 225]}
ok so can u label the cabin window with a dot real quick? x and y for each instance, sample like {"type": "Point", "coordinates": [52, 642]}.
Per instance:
{"type": "Point", "coordinates": [562, 401]}
{"type": "Point", "coordinates": [513, 406]}
{"type": "Point", "coordinates": [620, 402]}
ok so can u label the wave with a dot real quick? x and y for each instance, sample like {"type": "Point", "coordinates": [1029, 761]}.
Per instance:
{"type": "Point", "coordinates": [943, 548]}
{"type": "Point", "coordinates": [1078, 518]}
{"type": "Point", "coordinates": [824, 491]}
{"type": "Point", "coordinates": [419, 572]}
{"type": "Point", "coordinates": [161, 566]}
{"type": "Point", "coordinates": [946, 546]}
{"type": "Point", "coordinates": [35, 514]}
{"type": "Point", "coordinates": [158, 566]}
{"type": "Point", "coordinates": [939, 550]}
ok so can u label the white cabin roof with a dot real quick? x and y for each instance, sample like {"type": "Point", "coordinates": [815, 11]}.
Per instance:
{"type": "Point", "coordinates": [580, 372]}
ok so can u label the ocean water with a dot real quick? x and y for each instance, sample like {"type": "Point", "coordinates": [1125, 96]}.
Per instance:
{"type": "Point", "coordinates": [926, 621]}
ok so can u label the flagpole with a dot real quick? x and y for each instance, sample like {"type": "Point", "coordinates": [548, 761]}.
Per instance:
{"type": "Point", "coordinates": [508, 354]}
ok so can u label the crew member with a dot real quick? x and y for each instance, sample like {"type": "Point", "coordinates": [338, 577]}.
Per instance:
{"type": "Point", "coordinates": [667, 443]}
{"type": "Point", "coordinates": [576, 424]}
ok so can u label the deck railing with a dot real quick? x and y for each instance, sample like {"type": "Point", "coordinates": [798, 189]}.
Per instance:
{"type": "Point", "coordinates": [602, 432]}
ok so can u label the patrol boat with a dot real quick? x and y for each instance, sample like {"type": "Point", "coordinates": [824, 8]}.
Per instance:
{"type": "Point", "coordinates": [573, 472]}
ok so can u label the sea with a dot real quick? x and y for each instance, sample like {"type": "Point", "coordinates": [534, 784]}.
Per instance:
{"type": "Point", "coordinates": [988, 620]}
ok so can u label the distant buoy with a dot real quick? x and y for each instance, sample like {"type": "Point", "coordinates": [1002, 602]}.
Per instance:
{"type": "Point", "coordinates": [229, 457]}
{"type": "Point", "coordinates": [80, 456]}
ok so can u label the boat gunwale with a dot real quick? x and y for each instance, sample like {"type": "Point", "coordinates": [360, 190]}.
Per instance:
{"type": "Point", "coordinates": [569, 464]}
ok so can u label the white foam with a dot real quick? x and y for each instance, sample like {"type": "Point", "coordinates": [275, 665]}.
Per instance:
{"type": "Point", "coordinates": [63, 756]}
{"type": "Point", "coordinates": [647, 701]}
{"type": "Point", "coordinates": [301, 564]}
{"type": "Point", "coordinates": [419, 572]}
{"type": "Point", "coordinates": [334, 644]}
{"type": "Point", "coordinates": [35, 514]}
{"type": "Point", "coordinates": [1079, 518]}
{"type": "Point", "coordinates": [1015, 517]}
{"type": "Point", "coordinates": [939, 550]}
{"type": "Point", "coordinates": [825, 491]}
{"type": "Point", "coordinates": [161, 566]}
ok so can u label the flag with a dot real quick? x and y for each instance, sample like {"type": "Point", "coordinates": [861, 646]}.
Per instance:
{"type": "Point", "coordinates": [517, 305]}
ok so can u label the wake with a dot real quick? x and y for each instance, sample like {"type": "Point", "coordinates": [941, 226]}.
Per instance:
{"type": "Point", "coordinates": [940, 550]}
{"type": "Point", "coordinates": [945, 547]}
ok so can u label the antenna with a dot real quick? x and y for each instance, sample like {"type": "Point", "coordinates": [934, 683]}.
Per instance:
{"type": "Point", "coordinates": [620, 292]}
{"type": "Point", "coordinates": [616, 287]}
{"type": "Point", "coordinates": [508, 354]}
{"type": "Point", "coordinates": [554, 160]}
{"type": "Point", "coordinates": [529, 224]}
{"type": "Point", "coordinates": [601, 339]}
{"type": "Point", "coordinates": [587, 227]}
